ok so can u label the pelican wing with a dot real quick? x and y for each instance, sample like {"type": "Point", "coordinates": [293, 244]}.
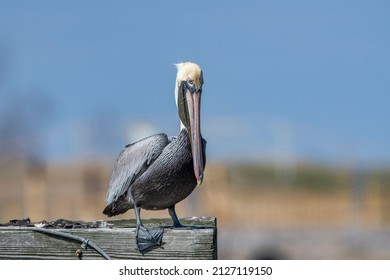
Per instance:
{"type": "Point", "coordinates": [132, 162]}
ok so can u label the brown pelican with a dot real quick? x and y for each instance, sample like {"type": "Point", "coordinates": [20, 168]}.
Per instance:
{"type": "Point", "coordinates": [159, 171]}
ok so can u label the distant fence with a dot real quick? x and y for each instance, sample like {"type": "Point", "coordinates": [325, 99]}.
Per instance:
{"type": "Point", "coordinates": [77, 191]}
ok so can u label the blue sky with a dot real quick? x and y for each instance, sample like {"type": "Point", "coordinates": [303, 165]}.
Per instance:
{"type": "Point", "coordinates": [284, 80]}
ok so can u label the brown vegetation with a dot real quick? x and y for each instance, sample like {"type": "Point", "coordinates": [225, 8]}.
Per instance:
{"type": "Point", "coordinates": [254, 196]}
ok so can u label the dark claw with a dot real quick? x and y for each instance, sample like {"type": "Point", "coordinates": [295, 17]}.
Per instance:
{"type": "Point", "coordinates": [187, 227]}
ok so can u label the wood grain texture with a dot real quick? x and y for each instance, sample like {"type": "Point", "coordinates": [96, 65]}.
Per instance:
{"type": "Point", "coordinates": [116, 238]}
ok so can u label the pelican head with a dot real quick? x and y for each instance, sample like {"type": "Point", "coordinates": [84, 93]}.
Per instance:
{"type": "Point", "coordinates": [188, 90]}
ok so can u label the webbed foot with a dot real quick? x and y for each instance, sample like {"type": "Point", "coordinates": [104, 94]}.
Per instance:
{"type": "Point", "coordinates": [148, 237]}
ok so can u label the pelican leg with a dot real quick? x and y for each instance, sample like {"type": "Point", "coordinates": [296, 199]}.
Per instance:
{"type": "Point", "coordinates": [172, 213]}
{"type": "Point", "coordinates": [146, 237]}
{"type": "Point", "coordinates": [176, 222]}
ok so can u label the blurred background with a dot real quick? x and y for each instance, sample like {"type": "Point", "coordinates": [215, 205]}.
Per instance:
{"type": "Point", "coordinates": [295, 110]}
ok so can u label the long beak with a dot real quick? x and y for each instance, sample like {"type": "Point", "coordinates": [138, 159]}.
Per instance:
{"type": "Point", "coordinates": [193, 103]}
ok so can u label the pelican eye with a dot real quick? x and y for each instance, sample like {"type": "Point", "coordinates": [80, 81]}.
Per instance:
{"type": "Point", "coordinates": [191, 82]}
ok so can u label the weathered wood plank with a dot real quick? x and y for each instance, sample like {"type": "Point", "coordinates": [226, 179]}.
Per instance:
{"type": "Point", "coordinates": [117, 239]}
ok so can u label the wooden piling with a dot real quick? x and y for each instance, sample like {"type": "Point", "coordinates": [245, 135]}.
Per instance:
{"type": "Point", "coordinates": [116, 238]}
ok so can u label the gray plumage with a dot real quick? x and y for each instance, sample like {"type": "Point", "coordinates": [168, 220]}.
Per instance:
{"type": "Point", "coordinates": [157, 172]}
{"type": "Point", "coordinates": [154, 173]}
